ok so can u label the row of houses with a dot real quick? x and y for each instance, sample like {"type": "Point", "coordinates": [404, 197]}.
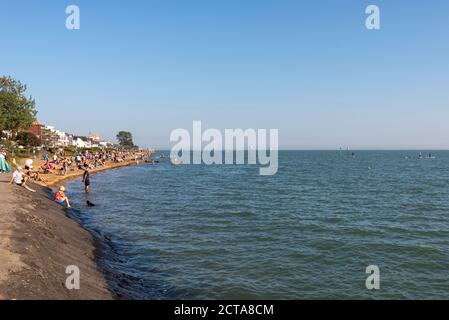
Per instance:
{"type": "Point", "coordinates": [50, 137]}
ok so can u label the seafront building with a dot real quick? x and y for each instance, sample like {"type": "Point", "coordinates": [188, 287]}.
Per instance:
{"type": "Point", "coordinates": [53, 138]}
{"type": "Point", "coordinates": [50, 137]}
{"type": "Point", "coordinates": [81, 142]}
{"type": "Point", "coordinates": [95, 138]}
{"type": "Point", "coordinates": [36, 130]}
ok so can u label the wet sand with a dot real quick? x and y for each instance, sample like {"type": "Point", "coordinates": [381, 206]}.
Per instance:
{"type": "Point", "coordinates": [37, 242]}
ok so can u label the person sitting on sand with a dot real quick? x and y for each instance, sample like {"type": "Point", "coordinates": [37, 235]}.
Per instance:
{"type": "Point", "coordinates": [60, 197]}
{"type": "Point", "coordinates": [48, 167]}
{"type": "Point", "coordinates": [28, 164]}
{"type": "Point", "coordinates": [20, 178]}
{"type": "Point", "coordinates": [34, 175]}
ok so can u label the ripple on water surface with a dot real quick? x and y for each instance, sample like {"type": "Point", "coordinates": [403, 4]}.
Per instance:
{"type": "Point", "coordinates": [308, 232]}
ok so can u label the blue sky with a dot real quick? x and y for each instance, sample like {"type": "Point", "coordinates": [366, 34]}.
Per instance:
{"type": "Point", "coordinates": [309, 68]}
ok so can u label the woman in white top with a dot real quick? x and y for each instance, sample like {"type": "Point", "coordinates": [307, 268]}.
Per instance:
{"type": "Point", "coordinates": [20, 178]}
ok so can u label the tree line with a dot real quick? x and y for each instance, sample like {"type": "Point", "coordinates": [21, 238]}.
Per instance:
{"type": "Point", "coordinates": [18, 112]}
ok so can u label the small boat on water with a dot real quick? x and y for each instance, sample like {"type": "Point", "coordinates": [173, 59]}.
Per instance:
{"type": "Point", "coordinates": [176, 161]}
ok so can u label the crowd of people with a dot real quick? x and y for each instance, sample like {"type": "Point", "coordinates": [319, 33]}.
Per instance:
{"type": "Point", "coordinates": [60, 163]}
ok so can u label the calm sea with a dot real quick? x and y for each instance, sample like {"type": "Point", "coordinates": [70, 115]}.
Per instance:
{"type": "Point", "coordinates": [308, 232]}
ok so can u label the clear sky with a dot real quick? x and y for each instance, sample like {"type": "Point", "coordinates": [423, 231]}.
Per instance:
{"type": "Point", "coordinates": [308, 68]}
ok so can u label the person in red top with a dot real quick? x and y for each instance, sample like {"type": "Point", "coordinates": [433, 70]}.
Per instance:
{"type": "Point", "coordinates": [60, 197]}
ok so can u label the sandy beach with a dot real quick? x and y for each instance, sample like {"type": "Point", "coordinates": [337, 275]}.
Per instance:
{"type": "Point", "coordinates": [38, 241]}
{"type": "Point", "coordinates": [52, 179]}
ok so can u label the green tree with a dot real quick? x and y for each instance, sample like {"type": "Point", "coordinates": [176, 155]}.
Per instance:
{"type": "Point", "coordinates": [27, 139]}
{"type": "Point", "coordinates": [17, 111]}
{"type": "Point", "coordinates": [125, 139]}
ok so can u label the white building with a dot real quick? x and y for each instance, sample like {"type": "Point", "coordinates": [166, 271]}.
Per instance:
{"type": "Point", "coordinates": [62, 139]}
{"type": "Point", "coordinates": [81, 142]}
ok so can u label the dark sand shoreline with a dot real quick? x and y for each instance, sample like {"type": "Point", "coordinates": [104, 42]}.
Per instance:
{"type": "Point", "coordinates": [38, 240]}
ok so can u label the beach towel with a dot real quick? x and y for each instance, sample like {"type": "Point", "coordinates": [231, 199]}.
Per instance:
{"type": "Point", "coordinates": [4, 166]}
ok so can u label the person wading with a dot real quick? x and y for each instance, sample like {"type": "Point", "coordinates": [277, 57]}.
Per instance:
{"type": "Point", "coordinates": [86, 178]}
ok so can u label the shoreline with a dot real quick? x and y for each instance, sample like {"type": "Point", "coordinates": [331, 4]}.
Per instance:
{"type": "Point", "coordinates": [39, 239]}
{"type": "Point", "coordinates": [53, 180]}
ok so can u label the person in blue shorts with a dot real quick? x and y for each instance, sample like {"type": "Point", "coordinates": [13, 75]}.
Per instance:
{"type": "Point", "coordinates": [61, 198]}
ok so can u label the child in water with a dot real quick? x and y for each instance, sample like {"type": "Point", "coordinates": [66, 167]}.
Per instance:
{"type": "Point", "coordinates": [60, 197]}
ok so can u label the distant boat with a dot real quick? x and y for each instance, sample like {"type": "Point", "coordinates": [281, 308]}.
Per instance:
{"type": "Point", "coordinates": [175, 161]}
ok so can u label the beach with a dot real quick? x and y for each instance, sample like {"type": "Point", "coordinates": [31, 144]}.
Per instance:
{"type": "Point", "coordinates": [52, 180]}
{"type": "Point", "coordinates": [38, 241]}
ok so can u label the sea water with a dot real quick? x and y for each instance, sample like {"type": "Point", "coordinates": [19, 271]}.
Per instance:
{"type": "Point", "coordinates": [308, 232]}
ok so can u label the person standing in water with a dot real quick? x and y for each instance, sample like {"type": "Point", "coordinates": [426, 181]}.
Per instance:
{"type": "Point", "coordinates": [86, 178]}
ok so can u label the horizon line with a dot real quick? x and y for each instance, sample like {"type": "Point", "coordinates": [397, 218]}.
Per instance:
{"type": "Point", "coordinates": [325, 149]}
